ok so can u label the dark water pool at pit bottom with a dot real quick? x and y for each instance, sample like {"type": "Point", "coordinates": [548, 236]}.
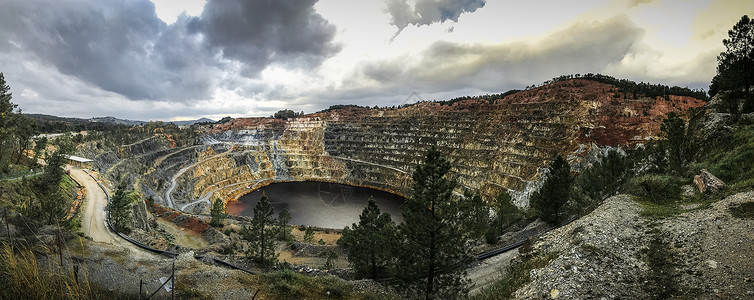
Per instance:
{"type": "Point", "coordinates": [320, 204]}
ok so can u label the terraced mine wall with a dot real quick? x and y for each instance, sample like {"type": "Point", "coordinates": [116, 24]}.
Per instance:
{"type": "Point", "coordinates": [494, 147]}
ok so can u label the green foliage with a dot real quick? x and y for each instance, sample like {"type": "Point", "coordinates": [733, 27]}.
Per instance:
{"type": "Point", "coordinates": [52, 198]}
{"type": "Point", "coordinates": [330, 262]}
{"type": "Point", "coordinates": [732, 162]}
{"type": "Point", "coordinates": [600, 180]}
{"type": "Point", "coordinates": [506, 213]}
{"type": "Point", "coordinates": [286, 114]}
{"type": "Point", "coordinates": [286, 284]}
{"type": "Point", "coordinates": [217, 213]}
{"type": "Point", "coordinates": [674, 131]}
{"type": "Point", "coordinates": [120, 208]}
{"type": "Point", "coordinates": [742, 210]}
{"type": "Point", "coordinates": [475, 214]}
{"type": "Point", "coordinates": [26, 277]}
{"type": "Point", "coordinates": [631, 87]}
{"type": "Point", "coordinates": [735, 66]}
{"type": "Point", "coordinates": [656, 188]}
{"type": "Point", "coordinates": [433, 255]}
{"type": "Point", "coordinates": [548, 201]}
{"type": "Point", "coordinates": [261, 233]}
{"type": "Point", "coordinates": [309, 235]}
{"type": "Point", "coordinates": [516, 276]}
{"type": "Point", "coordinates": [370, 242]}
{"type": "Point", "coordinates": [284, 231]}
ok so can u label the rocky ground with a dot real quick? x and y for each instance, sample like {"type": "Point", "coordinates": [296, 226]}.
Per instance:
{"type": "Point", "coordinates": [616, 252]}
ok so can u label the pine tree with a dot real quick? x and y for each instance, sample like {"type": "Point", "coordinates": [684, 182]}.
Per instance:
{"type": "Point", "coordinates": [505, 211]}
{"type": "Point", "coordinates": [6, 128]}
{"type": "Point", "coordinates": [433, 253]}
{"type": "Point", "coordinates": [674, 131]}
{"type": "Point", "coordinates": [284, 231]}
{"type": "Point", "coordinates": [553, 195]}
{"type": "Point", "coordinates": [735, 69]}
{"type": "Point", "coordinates": [260, 234]}
{"type": "Point", "coordinates": [370, 241]}
{"type": "Point", "coordinates": [475, 214]}
{"type": "Point", "coordinates": [217, 213]}
{"type": "Point", "coordinates": [120, 208]}
{"type": "Point", "coordinates": [309, 235]}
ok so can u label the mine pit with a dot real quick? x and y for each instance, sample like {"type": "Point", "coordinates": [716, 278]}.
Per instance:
{"type": "Point", "coordinates": [318, 204]}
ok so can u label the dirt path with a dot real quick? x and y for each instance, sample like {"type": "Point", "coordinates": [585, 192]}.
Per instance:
{"type": "Point", "coordinates": [93, 209]}
{"type": "Point", "coordinates": [488, 271]}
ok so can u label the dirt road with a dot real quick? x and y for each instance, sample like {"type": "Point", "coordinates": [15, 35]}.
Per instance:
{"type": "Point", "coordinates": [93, 210]}
{"type": "Point", "coordinates": [485, 273]}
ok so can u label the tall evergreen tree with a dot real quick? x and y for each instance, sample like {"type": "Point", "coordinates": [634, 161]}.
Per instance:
{"type": "Point", "coordinates": [475, 213]}
{"type": "Point", "coordinates": [120, 208]}
{"type": "Point", "coordinates": [433, 254]}
{"type": "Point", "coordinates": [674, 131]}
{"type": "Point", "coordinates": [284, 231]}
{"type": "Point", "coordinates": [735, 69]}
{"type": "Point", "coordinates": [370, 241]}
{"type": "Point", "coordinates": [553, 195]}
{"type": "Point", "coordinates": [505, 211]}
{"type": "Point", "coordinates": [217, 213]}
{"type": "Point", "coordinates": [6, 128]}
{"type": "Point", "coordinates": [261, 233]}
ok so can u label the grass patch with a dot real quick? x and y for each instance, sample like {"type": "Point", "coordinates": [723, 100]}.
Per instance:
{"type": "Point", "coordinates": [286, 284]}
{"type": "Point", "coordinates": [517, 275]}
{"type": "Point", "coordinates": [742, 210]}
{"type": "Point", "coordinates": [734, 162]}
{"type": "Point", "coordinates": [654, 210]}
{"type": "Point", "coordinates": [656, 188]}
{"type": "Point", "coordinates": [24, 278]}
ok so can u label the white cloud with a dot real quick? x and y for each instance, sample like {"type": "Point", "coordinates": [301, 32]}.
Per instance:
{"type": "Point", "coordinates": [247, 64]}
{"type": "Point", "coordinates": [169, 10]}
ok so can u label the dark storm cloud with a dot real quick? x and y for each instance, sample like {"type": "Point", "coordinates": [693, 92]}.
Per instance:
{"type": "Point", "coordinates": [123, 47]}
{"type": "Point", "coordinates": [426, 12]}
{"type": "Point", "coordinates": [259, 32]}
{"type": "Point", "coordinates": [446, 66]}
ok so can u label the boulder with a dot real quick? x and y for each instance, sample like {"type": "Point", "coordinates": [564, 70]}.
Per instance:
{"type": "Point", "coordinates": [708, 183]}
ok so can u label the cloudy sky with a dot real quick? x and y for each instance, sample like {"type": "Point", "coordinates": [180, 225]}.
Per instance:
{"type": "Point", "coordinates": [185, 59]}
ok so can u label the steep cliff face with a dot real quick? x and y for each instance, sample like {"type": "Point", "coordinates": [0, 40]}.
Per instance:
{"type": "Point", "coordinates": [503, 145]}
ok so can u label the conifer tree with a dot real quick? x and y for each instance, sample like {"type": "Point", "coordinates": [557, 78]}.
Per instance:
{"type": "Point", "coordinates": [674, 131]}
{"type": "Point", "coordinates": [6, 128]}
{"type": "Point", "coordinates": [120, 208]}
{"type": "Point", "coordinates": [475, 214]}
{"type": "Point", "coordinates": [217, 213]}
{"type": "Point", "coordinates": [505, 211]}
{"type": "Point", "coordinates": [433, 253]}
{"type": "Point", "coordinates": [284, 231]}
{"type": "Point", "coordinates": [309, 235]}
{"type": "Point", "coordinates": [735, 69]}
{"type": "Point", "coordinates": [553, 195]}
{"type": "Point", "coordinates": [370, 241]}
{"type": "Point", "coordinates": [260, 234]}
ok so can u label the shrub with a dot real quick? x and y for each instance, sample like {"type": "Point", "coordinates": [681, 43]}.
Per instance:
{"type": "Point", "coordinates": [656, 188]}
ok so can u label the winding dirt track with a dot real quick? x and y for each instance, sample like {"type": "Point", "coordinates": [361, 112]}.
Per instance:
{"type": "Point", "coordinates": [93, 210]}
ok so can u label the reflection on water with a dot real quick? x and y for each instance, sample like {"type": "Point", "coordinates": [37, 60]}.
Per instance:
{"type": "Point", "coordinates": [320, 204]}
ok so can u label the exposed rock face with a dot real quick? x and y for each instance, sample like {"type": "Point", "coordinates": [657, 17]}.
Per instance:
{"type": "Point", "coordinates": [708, 183]}
{"type": "Point", "coordinates": [604, 254]}
{"type": "Point", "coordinates": [494, 147]}
{"type": "Point", "coordinates": [598, 256]}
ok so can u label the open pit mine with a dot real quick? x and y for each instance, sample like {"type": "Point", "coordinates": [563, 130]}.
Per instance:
{"type": "Point", "coordinates": [494, 146]}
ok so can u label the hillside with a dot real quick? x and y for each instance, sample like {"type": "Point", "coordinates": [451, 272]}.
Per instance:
{"type": "Point", "coordinates": [497, 146]}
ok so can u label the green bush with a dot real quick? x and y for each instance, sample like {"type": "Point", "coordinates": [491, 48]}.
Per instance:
{"type": "Point", "coordinates": [656, 188]}
{"type": "Point", "coordinates": [490, 236]}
